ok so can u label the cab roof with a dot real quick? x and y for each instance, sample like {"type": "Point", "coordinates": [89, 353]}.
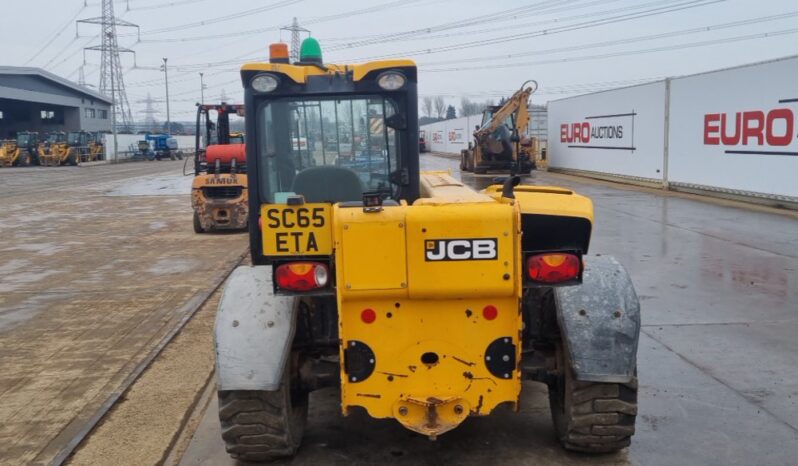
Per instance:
{"type": "Point", "coordinates": [300, 73]}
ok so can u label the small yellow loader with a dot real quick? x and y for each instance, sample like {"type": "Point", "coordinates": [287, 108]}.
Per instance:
{"type": "Point", "coordinates": [21, 151]}
{"type": "Point", "coordinates": [95, 147]}
{"type": "Point", "coordinates": [62, 149]}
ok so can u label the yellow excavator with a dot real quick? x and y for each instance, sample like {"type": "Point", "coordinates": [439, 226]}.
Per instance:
{"type": "Point", "coordinates": [499, 143]}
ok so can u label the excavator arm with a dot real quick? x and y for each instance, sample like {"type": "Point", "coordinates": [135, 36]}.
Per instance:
{"type": "Point", "coordinates": [516, 104]}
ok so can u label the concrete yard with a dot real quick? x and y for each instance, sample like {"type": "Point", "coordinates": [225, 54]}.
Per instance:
{"type": "Point", "coordinates": [99, 267]}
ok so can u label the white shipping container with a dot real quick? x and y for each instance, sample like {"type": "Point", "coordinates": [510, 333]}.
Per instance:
{"type": "Point", "coordinates": [451, 136]}
{"type": "Point", "coordinates": [735, 129]}
{"type": "Point", "coordinates": [618, 132]}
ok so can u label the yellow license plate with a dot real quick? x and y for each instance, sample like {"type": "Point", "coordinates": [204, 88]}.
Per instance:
{"type": "Point", "coordinates": [296, 230]}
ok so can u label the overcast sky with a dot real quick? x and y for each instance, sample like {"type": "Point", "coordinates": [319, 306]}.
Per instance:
{"type": "Point", "coordinates": [569, 47]}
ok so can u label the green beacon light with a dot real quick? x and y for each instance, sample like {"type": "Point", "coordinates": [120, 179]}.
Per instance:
{"type": "Point", "coordinates": [310, 51]}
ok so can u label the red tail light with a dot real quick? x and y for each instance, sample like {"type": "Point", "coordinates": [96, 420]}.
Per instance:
{"type": "Point", "coordinates": [553, 268]}
{"type": "Point", "coordinates": [301, 276]}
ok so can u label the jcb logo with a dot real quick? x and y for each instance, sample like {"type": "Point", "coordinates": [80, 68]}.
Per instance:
{"type": "Point", "coordinates": [461, 249]}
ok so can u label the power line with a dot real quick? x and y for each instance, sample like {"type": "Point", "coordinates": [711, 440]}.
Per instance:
{"type": "Point", "coordinates": [557, 30]}
{"type": "Point", "coordinates": [168, 5]}
{"type": "Point", "coordinates": [321, 19]}
{"type": "Point", "coordinates": [628, 40]}
{"type": "Point", "coordinates": [620, 54]}
{"type": "Point", "coordinates": [471, 32]}
{"type": "Point", "coordinates": [461, 23]}
{"type": "Point", "coordinates": [221, 19]}
{"type": "Point", "coordinates": [541, 8]}
{"type": "Point", "coordinates": [56, 35]}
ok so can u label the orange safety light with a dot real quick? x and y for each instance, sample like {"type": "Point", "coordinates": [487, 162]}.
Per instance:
{"type": "Point", "coordinates": [278, 52]}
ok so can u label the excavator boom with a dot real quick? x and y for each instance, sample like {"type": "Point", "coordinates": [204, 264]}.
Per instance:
{"type": "Point", "coordinates": [496, 142]}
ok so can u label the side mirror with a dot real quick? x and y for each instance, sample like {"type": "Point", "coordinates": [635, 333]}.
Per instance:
{"type": "Point", "coordinates": [397, 121]}
{"type": "Point", "coordinates": [510, 183]}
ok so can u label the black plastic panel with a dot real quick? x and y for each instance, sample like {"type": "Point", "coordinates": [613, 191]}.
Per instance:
{"type": "Point", "coordinates": [555, 233]}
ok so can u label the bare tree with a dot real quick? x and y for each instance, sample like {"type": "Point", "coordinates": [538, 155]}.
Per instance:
{"type": "Point", "coordinates": [468, 107]}
{"type": "Point", "coordinates": [440, 107]}
{"type": "Point", "coordinates": [427, 106]}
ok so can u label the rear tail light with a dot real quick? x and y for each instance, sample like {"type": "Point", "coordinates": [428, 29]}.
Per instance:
{"type": "Point", "coordinates": [301, 276]}
{"type": "Point", "coordinates": [553, 268]}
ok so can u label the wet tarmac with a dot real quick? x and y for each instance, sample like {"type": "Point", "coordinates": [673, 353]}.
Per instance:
{"type": "Point", "coordinates": [717, 359]}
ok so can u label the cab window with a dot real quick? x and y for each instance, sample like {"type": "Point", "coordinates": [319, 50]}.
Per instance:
{"type": "Point", "coordinates": [328, 150]}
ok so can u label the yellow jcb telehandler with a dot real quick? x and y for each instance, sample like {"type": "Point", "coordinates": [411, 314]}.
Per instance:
{"type": "Point", "coordinates": [500, 142]}
{"type": "Point", "coordinates": [422, 300]}
{"type": "Point", "coordinates": [21, 151]}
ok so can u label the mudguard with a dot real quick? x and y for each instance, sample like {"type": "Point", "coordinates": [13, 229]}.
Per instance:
{"type": "Point", "coordinates": [600, 322]}
{"type": "Point", "coordinates": [253, 333]}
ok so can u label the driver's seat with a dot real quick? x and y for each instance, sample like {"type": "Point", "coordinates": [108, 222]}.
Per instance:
{"type": "Point", "coordinates": [328, 184]}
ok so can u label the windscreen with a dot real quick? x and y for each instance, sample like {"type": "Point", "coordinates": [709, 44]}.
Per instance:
{"type": "Point", "coordinates": [23, 139]}
{"type": "Point", "coordinates": [73, 139]}
{"type": "Point", "coordinates": [329, 150]}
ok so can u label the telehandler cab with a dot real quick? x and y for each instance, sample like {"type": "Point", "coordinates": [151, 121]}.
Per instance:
{"type": "Point", "coordinates": [424, 301]}
{"type": "Point", "coordinates": [21, 151]}
{"type": "Point", "coordinates": [219, 191]}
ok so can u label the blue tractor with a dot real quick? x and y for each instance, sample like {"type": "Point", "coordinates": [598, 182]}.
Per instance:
{"type": "Point", "coordinates": [159, 146]}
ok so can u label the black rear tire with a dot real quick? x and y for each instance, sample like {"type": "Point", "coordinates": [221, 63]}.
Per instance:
{"type": "Point", "coordinates": [24, 159]}
{"type": "Point", "coordinates": [592, 417]}
{"type": "Point", "coordinates": [71, 159]}
{"type": "Point", "coordinates": [197, 224]}
{"type": "Point", "coordinates": [263, 425]}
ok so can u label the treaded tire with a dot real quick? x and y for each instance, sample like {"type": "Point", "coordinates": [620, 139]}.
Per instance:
{"type": "Point", "coordinates": [71, 160]}
{"type": "Point", "coordinates": [24, 159]}
{"type": "Point", "coordinates": [593, 417]}
{"type": "Point", "coordinates": [262, 425]}
{"type": "Point", "coordinates": [197, 224]}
